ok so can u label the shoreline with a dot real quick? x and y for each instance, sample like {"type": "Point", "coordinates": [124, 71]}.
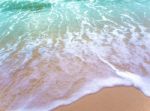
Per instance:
{"type": "Point", "coordinates": [118, 98]}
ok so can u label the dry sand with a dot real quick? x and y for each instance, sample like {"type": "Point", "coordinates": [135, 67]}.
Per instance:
{"type": "Point", "coordinates": [111, 99]}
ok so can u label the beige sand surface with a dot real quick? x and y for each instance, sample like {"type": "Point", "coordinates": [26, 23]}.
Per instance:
{"type": "Point", "coordinates": [111, 99]}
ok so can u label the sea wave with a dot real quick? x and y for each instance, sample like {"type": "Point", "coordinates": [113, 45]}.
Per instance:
{"type": "Point", "coordinates": [54, 52]}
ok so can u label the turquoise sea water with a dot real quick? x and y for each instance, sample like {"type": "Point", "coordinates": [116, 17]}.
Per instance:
{"type": "Point", "coordinates": [75, 47]}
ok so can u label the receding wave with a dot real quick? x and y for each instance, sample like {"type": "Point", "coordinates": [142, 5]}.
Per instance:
{"type": "Point", "coordinates": [53, 52]}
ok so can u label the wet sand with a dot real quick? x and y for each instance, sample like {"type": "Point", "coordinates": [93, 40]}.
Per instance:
{"type": "Point", "coordinates": [111, 99]}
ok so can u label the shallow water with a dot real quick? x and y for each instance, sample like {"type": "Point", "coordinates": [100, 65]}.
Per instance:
{"type": "Point", "coordinates": [53, 52]}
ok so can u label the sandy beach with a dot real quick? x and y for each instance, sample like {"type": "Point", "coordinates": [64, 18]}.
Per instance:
{"type": "Point", "coordinates": [111, 99]}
